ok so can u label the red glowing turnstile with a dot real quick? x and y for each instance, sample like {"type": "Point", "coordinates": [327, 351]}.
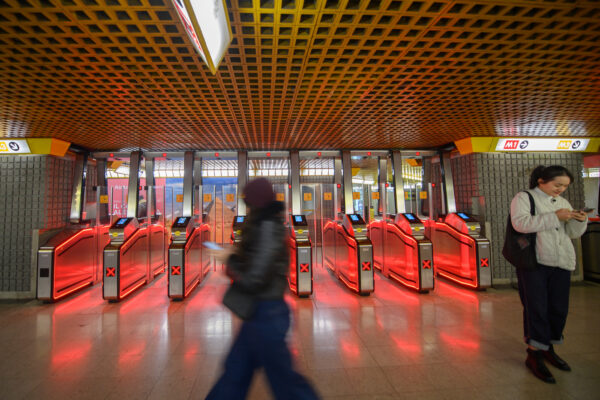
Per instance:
{"type": "Point", "coordinates": [402, 252]}
{"type": "Point", "coordinates": [69, 261]}
{"type": "Point", "coordinates": [301, 276]}
{"type": "Point", "coordinates": [348, 252]}
{"type": "Point", "coordinates": [188, 264]}
{"type": "Point", "coordinates": [460, 253]}
{"type": "Point", "coordinates": [134, 255]}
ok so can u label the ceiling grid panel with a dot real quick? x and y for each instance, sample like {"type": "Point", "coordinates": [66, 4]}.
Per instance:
{"type": "Point", "coordinates": [306, 74]}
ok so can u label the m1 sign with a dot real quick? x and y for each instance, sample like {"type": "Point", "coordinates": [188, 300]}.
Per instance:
{"type": "Point", "coordinates": [542, 144]}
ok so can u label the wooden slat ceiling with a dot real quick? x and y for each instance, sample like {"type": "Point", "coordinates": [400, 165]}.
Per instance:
{"type": "Point", "coordinates": [306, 74]}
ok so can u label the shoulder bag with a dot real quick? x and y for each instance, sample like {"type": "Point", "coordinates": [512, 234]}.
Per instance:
{"type": "Point", "coordinates": [519, 248]}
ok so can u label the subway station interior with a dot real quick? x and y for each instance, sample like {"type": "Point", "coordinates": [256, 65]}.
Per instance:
{"type": "Point", "coordinates": [395, 133]}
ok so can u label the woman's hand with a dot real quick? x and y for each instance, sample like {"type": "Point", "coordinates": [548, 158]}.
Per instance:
{"type": "Point", "coordinates": [563, 214]}
{"type": "Point", "coordinates": [578, 215]}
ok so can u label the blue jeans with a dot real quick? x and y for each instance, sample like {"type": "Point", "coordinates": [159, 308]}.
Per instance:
{"type": "Point", "coordinates": [261, 343]}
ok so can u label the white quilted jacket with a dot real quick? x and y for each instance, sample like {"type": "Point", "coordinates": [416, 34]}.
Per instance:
{"type": "Point", "coordinates": [553, 243]}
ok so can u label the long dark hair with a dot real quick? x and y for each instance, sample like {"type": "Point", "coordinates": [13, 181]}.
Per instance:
{"type": "Point", "coordinates": [546, 174]}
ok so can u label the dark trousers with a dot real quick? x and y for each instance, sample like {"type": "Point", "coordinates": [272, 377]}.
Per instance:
{"type": "Point", "coordinates": [261, 343]}
{"type": "Point", "coordinates": [544, 292]}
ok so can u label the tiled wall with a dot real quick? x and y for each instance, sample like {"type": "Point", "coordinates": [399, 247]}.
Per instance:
{"type": "Point", "coordinates": [35, 193]}
{"type": "Point", "coordinates": [498, 177]}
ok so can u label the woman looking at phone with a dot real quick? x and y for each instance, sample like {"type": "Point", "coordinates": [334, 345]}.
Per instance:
{"type": "Point", "coordinates": [544, 287]}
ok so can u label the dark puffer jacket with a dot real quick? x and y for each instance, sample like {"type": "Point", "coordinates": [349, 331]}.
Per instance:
{"type": "Point", "coordinates": [260, 264]}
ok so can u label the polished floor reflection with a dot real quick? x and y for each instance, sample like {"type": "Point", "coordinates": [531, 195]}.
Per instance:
{"type": "Point", "coordinates": [395, 344]}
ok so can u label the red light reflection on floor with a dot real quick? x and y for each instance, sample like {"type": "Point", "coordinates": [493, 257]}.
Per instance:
{"type": "Point", "coordinates": [411, 346]}
{"type": "Point", "coordinates": [85, 301]}
{"type": "Point", "coordinates": [71, 351]}
{"type": "Point", "coordinates": [350, 349]}
{"type": "Point", "coordinates": [396, 294]}
{"type": "Point", "coordinates": [449, 290]}
{"type": "Point", "coordinates": [131, 352]}
{"type": "Point", "coordinates": [462, 342]}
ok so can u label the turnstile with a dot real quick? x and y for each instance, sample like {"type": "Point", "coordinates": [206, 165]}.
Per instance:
{"type": "Point", "coordinates": [590, 243]}
{"type": "Point", "coordinates": [188, 264]}
{"type": "Point", "coordinates": [69, 261]}
{"type": "Point", "coordinates": [348, 252]}
{"type": "Point", "coordinates": [402, 252]}
{"type": "Point", "coordinates": [134, 255]}
{"type": "Point", "coordinates": [236, 228]}
{"type": "Point", "coordinates": [460, 253]}
{"type": "Point", "coordinates": [301, 276]}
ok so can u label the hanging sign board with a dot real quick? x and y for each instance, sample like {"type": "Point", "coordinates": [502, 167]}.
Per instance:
{"type": "Point", "coordinates": [327, 196]}
{"type": "Point", "coordinates": [375, 195]}
{"type": "Point", "coordinates": [16, 146]}
{"type": "Point", "coordinates": [307, 196]}
{"type": "Point", "coordinates": [542, 144]}
{"type": "Point", "coordinates": [230, 197]}
{"type": "Point", "coordinates": [356, 195]}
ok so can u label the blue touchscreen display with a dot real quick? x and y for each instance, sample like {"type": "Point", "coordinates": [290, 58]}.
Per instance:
{"type": "Point", "coordinates": [410, 217]}
{"type": "Point", "coordinates": [121, 222]}
{"type": "Point", "coordinates": [298, 218]}
{"type": "Point", "coordinates": [181, 220]}
{"type": "Point", "coordinates": [354, 217]}
{"type": "Point", "coordinates": [463, 216]}
{"type": "Point", "coordinates": [239, 220]}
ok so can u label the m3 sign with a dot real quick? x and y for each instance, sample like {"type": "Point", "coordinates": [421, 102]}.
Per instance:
{"type": "Point", "coordinates": [542, 144]}
{"type": "Point", "coordinates": [18, 146]}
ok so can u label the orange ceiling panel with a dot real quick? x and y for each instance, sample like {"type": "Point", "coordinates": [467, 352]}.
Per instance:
{"type": "Point", "coordinates": [304, 74]}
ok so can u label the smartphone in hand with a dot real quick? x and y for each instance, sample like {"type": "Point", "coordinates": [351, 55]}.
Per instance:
{"type": "Point", "coordinates": [587, 210]}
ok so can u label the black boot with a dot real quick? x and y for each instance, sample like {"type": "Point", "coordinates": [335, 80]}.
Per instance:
{"type": "Point", "coordinates": [555, 360]}
{"type": "Point", "coordinates": [535, 362]}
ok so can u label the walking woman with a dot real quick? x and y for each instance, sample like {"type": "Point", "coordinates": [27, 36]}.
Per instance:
{"type": "Point", "coordinates": [544, 288]}
{"type": "Point", "coordinates": [258, 268]}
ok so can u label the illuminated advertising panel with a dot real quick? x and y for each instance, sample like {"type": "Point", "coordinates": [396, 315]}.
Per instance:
{"type": "Point", "coordinates": [207, 24]}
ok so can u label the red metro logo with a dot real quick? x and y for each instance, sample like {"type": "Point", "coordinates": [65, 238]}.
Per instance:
{"type": "Point", "coordinates": [511, 145]}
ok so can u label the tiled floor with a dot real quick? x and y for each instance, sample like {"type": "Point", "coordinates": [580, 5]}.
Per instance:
{"type": "Point", "coordinates": [395, 344]}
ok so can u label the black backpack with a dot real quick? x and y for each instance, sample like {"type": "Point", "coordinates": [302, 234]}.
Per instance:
{"type": "Point", "coordinates": [519, 248]}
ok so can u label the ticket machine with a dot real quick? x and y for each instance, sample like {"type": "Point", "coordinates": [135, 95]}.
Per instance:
{"type": "Point", "coordinates": [348, 252]}
{"type": "Point", "coordinates": [406, 255]}
{"type": "Point", "coordinates": [300, 277]}
{"type": "Point", "coordinates": [125, 266]}
{"type": "Point", "coordinates": [461, 254]}
{"type": "Point", "coordinates": [188, 264]}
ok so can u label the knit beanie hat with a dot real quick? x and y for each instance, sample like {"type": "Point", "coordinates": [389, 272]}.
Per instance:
{"type": "Point", "coordinates": [258, 193]}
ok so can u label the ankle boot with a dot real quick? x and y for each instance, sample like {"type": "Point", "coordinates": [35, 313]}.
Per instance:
{"type": "Point", "coordinates": [535, 362]}
{"type": "Point", "coordinates": [555, 360]}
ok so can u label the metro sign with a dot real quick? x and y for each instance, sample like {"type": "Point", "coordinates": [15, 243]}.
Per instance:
{"type": "Point", "coordinates": [511, 145]}
{"type": "Point", "coordinates": [543, 144]}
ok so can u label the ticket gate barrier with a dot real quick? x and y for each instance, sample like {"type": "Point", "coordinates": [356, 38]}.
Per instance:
{"type": "Point", "coordinates": [348, 252]}
{"type": "Point", "coordinates": [300, 277]}
{"type": "Point", "coordinates": [129, 261]}
{"type": "Point", "coordinates": [407, 256]}
{"type": "Point", "coordinates": [188, 264]}
{"type": "Point", "coordinates": [236, 228]}
{"type": "Point", "coordinates": [69, 261]}
{"type": "Point", "coordinates": [460, 253]}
